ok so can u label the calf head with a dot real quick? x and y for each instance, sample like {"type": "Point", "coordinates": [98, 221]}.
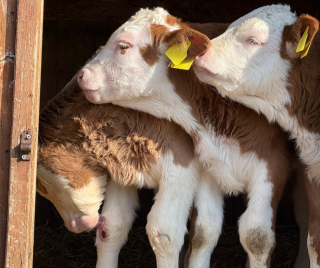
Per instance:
{"type": "Point", "coordinates": [254, 55]}
{"type": "Point", "coordinates": [133, 64]}
{"type": "Point", "coordinates": [76, 190]}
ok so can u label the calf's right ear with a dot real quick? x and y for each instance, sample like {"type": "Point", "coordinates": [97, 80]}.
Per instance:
{"type": "Point", "coordinates": [298, 36]}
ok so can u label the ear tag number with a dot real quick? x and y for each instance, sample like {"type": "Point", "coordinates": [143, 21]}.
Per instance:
{"type": "Point", "coordinates": [178, 52]}
{"type": "Point", "coordinates": [303, 40]}
{"type": "Point", "coordinates": [185, 65]}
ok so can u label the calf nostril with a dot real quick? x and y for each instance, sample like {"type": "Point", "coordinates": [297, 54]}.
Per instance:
{"type": "Point", "coordinates": [104, 234]}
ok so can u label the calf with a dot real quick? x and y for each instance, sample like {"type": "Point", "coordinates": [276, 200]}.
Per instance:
{"type": "Point", "coordinates": [240, 150]}
{"type": "Point", "coordinates": [269, 60]}
{"type": "Point", "coordinates": [81, 145]}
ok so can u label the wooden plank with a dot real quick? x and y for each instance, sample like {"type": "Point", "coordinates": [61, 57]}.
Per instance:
{"type": "Point", "coordinates": [20, 220]}
{"type": "Point", "coordinates": [7, 50]}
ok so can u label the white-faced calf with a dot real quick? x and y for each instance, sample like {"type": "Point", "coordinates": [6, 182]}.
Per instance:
{"type": "Point", "coordinates": [269, 60]}
{"type": "Point", "coordinates": [241, 150]}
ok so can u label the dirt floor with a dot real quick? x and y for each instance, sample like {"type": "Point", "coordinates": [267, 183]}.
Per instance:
{"type": "Point", "coordinates": [56, 247]}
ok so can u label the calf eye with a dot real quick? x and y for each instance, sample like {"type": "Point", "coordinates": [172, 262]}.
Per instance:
{"type": "Point", "coordinates": [255, 41]}
{"type": "Point", "coordinates": [124, 45]}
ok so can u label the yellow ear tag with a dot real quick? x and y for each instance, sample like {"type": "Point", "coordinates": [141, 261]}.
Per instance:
{"type": "Point", "coordinates": [178, 52]}
{"type": "Point", "coordinates": [306, 51]}
{"type": "Point", "coordinates": [303, 40]}
{"type": "Point", "coordinates": [185, 65]}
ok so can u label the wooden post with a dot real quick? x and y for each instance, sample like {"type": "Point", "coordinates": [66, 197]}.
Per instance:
{"type": "Point", "coordinates": [20, 65]}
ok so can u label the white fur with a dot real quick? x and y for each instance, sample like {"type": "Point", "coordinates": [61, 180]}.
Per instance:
{"type": "Point", "coordinates": [148, 88]}
{"type": "Point", "coordinates": [166, 225]}
{"type": "Point", "coordinates": [119, 211]}
{"type": "Point", "coordinates": [313, 254]}
{"type": "Point", "coordinates": [208, 225]}
{"type": "Point", "coordinates": [71, 202]}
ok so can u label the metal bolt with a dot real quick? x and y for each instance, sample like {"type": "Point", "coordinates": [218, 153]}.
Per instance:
{"type": "Point", "coordinates": [28, 137]}
{"type": "Point", "coordinates": [24, 157]}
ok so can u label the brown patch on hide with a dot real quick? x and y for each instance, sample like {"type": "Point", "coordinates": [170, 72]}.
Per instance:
{"type": "Point", "coordinates": [40, 188]}
{"type": "Point", "coordinates": [149, 54]}
{"type": "Point", "coordinates": [230, 119]}
{"type": "Point", "coordinates": [303, 80]}
{"type": "Point", "coordinates": [67, 161]}
{"type": "Point", "coordinates": [80, 140]}
{"type": "Point", "coordinates": [313, 190]}
{"type": "Point", "coordinates": [171, 20]}
{"type": "Point", "coordinates": [160, 34]}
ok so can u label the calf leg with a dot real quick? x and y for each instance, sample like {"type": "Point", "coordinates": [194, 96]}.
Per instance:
{"type": "Point", "coordinates": [119, 212]}
{"type": "Point", "coordinates": [257, 224]}
{"type": "Point", "coordinates": [301, 211]}
{"type": "Point", "coordinates": [167, 219]}
{"type": "Point", "coordinates": [313, 192]}
{"type": "Point", "coordinates": [206, 223]}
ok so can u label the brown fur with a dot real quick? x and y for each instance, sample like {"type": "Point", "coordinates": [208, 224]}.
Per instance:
{"type": "Point", "coordinates": [304, 76]}
{"type": "Point", "coordinates": [149, 54]}
{"type": "Point", "coordinates": [160, 34]}
{"type": "Point", "coordinates": [304, 87]}
{"type": "Point", "coordinates": [80, 140]}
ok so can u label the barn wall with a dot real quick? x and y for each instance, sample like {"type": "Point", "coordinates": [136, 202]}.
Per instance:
{"type": "Point", "coordinates": [74, 29]}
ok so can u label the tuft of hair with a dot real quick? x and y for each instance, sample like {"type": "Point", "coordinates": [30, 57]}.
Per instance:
{"type": "Point", "coordinates": [145, 16]}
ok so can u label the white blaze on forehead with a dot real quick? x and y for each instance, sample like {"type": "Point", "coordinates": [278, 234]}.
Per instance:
{"type": "Point", "coordinates": [142, 20]}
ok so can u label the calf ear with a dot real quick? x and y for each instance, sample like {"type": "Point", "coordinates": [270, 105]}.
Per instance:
{"type": "Point", "coordinates": [298, 36]}
{"type": "Point", "coordinates": [199, 42]}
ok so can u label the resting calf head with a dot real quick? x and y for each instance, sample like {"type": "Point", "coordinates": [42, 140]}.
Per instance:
{"type": "Point", "coordinates": [251, 60]}
{"type": "Point", "coordinates": [66, 174]}
{"type": "Point", "coordinates": [131, 62]}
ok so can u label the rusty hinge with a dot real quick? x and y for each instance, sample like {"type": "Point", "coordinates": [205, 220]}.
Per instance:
{"type": "Point", "coordinates": [25, 145]}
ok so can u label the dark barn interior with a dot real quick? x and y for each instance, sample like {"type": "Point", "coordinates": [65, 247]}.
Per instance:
{"type": "Point", "coordinates": [72, 31]}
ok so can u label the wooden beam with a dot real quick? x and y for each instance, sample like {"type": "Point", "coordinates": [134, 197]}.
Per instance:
{"type": "Point", "coordinates": [25, 117]}
{"type": "Point", "coordinates": [7, 51]}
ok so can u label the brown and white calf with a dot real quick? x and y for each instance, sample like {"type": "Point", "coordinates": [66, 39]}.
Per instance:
{"type": "Point", "coordinates": [242, 152]}
{"type": "Point", "coordinates": [82, 145]}
{"type": "Point", "coordinates": [256, 62]}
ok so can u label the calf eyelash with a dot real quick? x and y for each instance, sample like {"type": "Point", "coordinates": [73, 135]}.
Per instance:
{"type": "Point", "coordinates": [124, 45]}
{"type": "Point", "coordinates": [255, 41]}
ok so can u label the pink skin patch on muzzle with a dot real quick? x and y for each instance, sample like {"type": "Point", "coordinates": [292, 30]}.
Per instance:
{"type": "Point", "coordinates": [102, 230]}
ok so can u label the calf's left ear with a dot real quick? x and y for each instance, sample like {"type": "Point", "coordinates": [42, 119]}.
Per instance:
{"type": "Point", "coordinates": [199, 42]}
{"type": "Point", "coordinates": [298, 36]}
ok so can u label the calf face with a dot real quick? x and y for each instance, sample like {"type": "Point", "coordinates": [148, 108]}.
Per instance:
{"type": "Point", "coordinates": [252, 58]}
{"type": "Point", "coordinates": [133, 61]}
{"type": "Point", "coordinates": [76, 191]}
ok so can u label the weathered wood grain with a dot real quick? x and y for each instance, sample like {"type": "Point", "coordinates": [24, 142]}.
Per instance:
{"type": "Point", "coordinates": [7, 50]}
{"type": "Point", "coordinates": [25, 110]}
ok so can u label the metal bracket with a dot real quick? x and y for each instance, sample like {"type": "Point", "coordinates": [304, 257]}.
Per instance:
{"type": "Point", "coordinates": [25, 145]}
